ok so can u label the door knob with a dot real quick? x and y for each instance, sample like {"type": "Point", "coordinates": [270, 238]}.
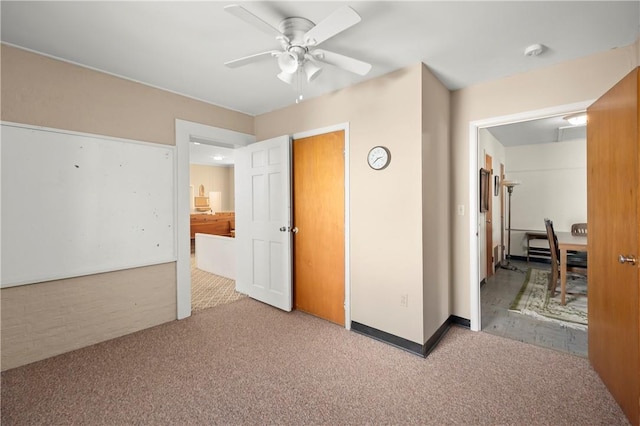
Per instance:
{"type": "Point", "coordinates": [631, 259]}
{"type": "Point", "coordinates": [294, 230]}
{"type": "Point", "coordinates": [283, 229]}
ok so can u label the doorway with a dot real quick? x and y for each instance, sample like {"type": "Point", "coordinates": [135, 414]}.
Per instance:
{"type": "Point", "coordinates": [532, 148]}
{"type": "Point", "coordinates": [474, 250]}
{"type": "Point", "coordinates": [212, 223]}
{"type": "Point", "coordinates": [187, 131]}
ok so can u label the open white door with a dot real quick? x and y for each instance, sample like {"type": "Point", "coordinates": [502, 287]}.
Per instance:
{"type": "Point", "coordinates": [263, 221]}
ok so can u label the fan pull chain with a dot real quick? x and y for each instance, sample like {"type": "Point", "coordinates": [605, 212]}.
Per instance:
{"type": "Point", "coordinates": [299, 95]}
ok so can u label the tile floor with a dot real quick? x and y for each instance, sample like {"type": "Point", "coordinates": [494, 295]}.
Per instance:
{"type": "Point", "coordinates": [497, 294]}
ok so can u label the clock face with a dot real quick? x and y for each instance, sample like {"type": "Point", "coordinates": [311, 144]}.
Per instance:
{"type": "Point", "coordinates": [378, 157]}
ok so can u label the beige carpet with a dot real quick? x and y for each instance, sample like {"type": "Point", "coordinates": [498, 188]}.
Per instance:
{"type": "Point", "coordinates": [248, 363]}
{"type": "Point", "coordinates": [209, 290]}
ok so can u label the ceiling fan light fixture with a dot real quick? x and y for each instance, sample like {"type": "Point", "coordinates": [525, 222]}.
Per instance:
{"type": "Point", "coordinates": [286, 77]}
{"type": "Point", "coordinates": [288, 62]}
{"type": "Point", "coordinates": [298, 38]}
{"type": "Point", "coordinates": [311, 70]}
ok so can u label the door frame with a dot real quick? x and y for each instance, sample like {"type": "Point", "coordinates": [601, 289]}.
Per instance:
{"type": "Point", "coordinates": [347, 237]}
{"type": "Point", "coordinates": [488, 236]}
{"type": "Point", "coordinates": [185, 131]}
{"type": "Point", "coordinates": [474, 154]}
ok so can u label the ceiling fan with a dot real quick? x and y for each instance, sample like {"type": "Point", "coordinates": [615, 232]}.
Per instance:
{"type": "Point", "coordinates": [298, 39]}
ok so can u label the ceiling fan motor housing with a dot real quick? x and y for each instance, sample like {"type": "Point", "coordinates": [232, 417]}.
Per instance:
{"type": "Point", "coordinates": [295, 28]}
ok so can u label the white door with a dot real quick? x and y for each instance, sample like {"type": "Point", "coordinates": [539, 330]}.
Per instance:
{"type": "Point", "coordinates": [263, 221]}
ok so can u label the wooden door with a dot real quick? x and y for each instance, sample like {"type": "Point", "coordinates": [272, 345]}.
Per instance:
{"type": "Point", "coordinates": [318, 214]}
{"type": "Point", "coordinates": [612, 215]}
{"type": "Point", "coordinates": [488, 161]}
{"type": "Point", "coordinates": [501, 189]}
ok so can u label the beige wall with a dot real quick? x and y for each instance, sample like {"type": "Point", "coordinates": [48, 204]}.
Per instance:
{"type": "Point", "coordinates": [566, 83]}
{"type": "Point", "coordinates": [41, 91]}
{"type": "Point", "coordinates": [554, 186]}
{"type": "Point", "coordinates": [41, 320]}
{"type": "Point", "coordinates": [435, 206]}
{"type": "Point", "coordinates": [214, 179]}
{"type": "Point", "coordinates": [231, 179]}
{"type": "Point", "coordinates": [386, 206]}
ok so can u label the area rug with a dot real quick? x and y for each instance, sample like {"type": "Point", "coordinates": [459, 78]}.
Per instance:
{"type": "Point", "coordinates": [533, 300]}
{"type": "Point", "coordinates": [209, 290]}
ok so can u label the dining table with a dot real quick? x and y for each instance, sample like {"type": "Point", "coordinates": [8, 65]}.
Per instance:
{"type": "Point", "coordinates": [568, 242]}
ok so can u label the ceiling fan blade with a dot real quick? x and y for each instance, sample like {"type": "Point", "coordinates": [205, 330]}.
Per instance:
{"type": "Point", "coordinates": [242, 13]}
{"type": "Point", "coordinates": [333, 24]}
{"type": "Point", "coordinates": [251, 59]}
{"type": "Point", "coordinates": [345, 62]}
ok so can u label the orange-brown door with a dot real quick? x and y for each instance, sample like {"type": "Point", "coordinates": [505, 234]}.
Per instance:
{"type": "Point", "coordinates": [318, 213]}
{"type": "Point", "coordinates": [488, 161]}
{"type": "Point", "coordinates": [612, 230]}
{"type": "Point", "coordinates": [501, 192]}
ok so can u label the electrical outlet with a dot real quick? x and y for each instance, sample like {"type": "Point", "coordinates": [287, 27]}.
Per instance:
{"type": "Point", "coordinates": [404, 300]}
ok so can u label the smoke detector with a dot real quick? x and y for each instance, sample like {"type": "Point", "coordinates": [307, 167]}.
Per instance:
{"type": "Point", "coordinates": [534, 50]}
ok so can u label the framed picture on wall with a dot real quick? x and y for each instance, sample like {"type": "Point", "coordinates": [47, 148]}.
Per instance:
{"type": "Point", "coordinates": [484, 190]}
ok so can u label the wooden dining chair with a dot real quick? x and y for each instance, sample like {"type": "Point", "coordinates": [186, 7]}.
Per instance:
{"type": "Point", "coordinates": [574, 264]}
{"type": "Point", "coordinates": [579, 229]}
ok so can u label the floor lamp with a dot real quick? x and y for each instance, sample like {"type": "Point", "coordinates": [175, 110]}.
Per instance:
{"type": "Point", "coordinates": [509, 184]}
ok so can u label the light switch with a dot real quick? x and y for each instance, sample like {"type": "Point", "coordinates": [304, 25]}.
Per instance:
{"type": "Point", "coordinates": [460, 209]}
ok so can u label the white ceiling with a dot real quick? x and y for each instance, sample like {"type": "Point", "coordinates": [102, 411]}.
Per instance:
{"type": "Point", "coordinates": [544, 130]}
{"type": "Point", "coordinates": [210, 155]}
{"type": "Point", "coordinates": [181, 46]}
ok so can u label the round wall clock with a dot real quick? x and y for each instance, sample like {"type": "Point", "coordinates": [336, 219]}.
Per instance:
{"type": "Point", "coordinates": [379, 157]}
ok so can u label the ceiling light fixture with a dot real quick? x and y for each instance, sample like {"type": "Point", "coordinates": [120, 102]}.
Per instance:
{"type": "Point", "coordinates": [578, 119]}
